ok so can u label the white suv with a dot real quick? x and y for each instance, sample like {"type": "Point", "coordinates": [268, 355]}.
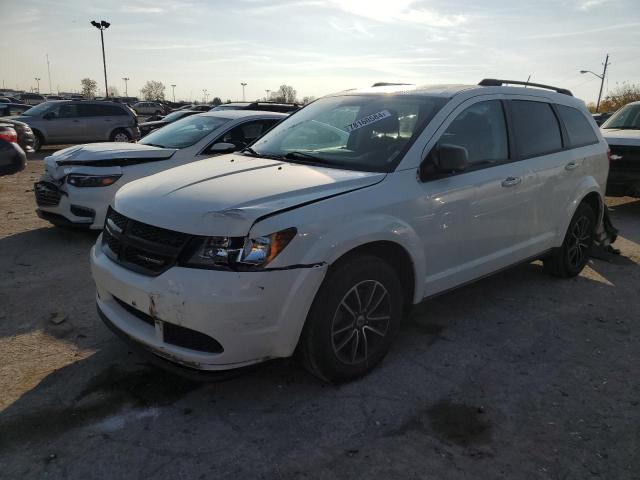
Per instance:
{"type": "Point", "coordinates": [324, 233]}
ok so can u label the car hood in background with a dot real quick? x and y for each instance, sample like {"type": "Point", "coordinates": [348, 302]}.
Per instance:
{"type": "Point", "coordinates": [226, 195]}
{"type": "Point", "coordinates": [151, 125]}
{"type": "Point", "coordinates": [102, 155]}
{"type": "Point", "coordinates": [621, 136]}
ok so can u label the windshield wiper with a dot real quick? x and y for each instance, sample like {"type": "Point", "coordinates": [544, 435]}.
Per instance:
{"type": "Point", "coordinates": [306, 157]}
{"type": "Point", "coordinates": [250, 150]}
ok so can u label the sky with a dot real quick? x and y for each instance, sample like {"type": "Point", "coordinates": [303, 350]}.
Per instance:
{"type": "Point", "coordinates": [317, 46]}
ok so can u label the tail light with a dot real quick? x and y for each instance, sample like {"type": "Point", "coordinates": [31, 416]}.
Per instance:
{"type": "Point", "coordinates": [9, 135]}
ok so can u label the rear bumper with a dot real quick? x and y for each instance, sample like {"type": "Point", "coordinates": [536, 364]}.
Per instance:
{"type": "Point", "coordinates": [12, 158]}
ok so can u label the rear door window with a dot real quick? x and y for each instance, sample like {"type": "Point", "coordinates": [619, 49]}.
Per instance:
{"type": "Point", "coordinates": [578, 127]}
{"type": "Point", "coordinates": [536, 128]}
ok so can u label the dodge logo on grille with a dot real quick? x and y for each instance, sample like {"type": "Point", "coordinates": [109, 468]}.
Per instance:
{"type": "Point", "coordinates": [155, 261]}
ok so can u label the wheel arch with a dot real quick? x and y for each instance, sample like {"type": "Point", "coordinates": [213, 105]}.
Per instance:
{"type": "Point", "coordinates": [396, 256]}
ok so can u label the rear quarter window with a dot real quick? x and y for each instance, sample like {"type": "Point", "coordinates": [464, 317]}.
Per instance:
{"type": "Point", "coordinates": [578, 127]}
{"type": "Point", "coordinates": [536, 128]}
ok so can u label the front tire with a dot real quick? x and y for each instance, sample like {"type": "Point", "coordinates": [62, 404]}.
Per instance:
{"type": "Point", "coordinates": [38, 141]}
{"type": "Point", "coordinates": [353, 319]}
{"type": "Point", "coordinates": [569, 260]}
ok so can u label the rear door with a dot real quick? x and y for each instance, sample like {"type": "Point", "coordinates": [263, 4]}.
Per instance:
{"type": "Point", "coordinates": [475, 221]}
{"type": "Point", "coordinates": [94, 121]}
{"type": "Point", "coordinates": [540, 150]}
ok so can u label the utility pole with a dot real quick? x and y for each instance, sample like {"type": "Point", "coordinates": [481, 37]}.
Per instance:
{"type": "Point", "coordinates": [37, 79]}
{"type": "Point", "coordinates": [102, 26]}
{"type": "Point", "coordinates": [126, 92]}
{"type": "Point", "coordinates": [173, 88]}
{"type": "Point", "coordinates": [49, 72]}
{"type": "Point", "coordinates": [601, 77]}
{"type": "Point", "coordinates": [243, 85]}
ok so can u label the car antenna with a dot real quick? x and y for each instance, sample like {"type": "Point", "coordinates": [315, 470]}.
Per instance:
{"type": "Point", "coordinates": [527, 82]}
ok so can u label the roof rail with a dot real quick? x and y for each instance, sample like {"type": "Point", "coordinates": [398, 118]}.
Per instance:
{"type": "Point", "coordinates": [493, 82]}
{"type": "Point", "coordinates": [388, 84]}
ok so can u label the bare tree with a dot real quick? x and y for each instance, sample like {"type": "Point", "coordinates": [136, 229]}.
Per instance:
{"type": "Point", "coordinates": [216, 101]}
{"type": "Point", "coordinates": [153, 90]}
{"type": "Point", "coordinates": [89, 88]}
{"type": "Point", "coordinates": [113, 91]}
{"type": "Point", "coordinates": [309, 99]}
{"type": "Point", "coordinates": [285, 94]}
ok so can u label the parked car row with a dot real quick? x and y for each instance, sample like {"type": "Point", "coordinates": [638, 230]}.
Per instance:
{"type": "Point", "coordinates": [224, 246]}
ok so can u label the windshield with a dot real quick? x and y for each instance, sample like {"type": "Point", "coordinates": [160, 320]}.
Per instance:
{"type": "Point", "coordinates": [357, 132]}
{"type": "Point", "coordinates": [627, 117]}
{"type": "Point", "coordinates": [38, 109]}
{"type": "Point", "coordinates": [174, 116]}
{"type": "Point", "coordinates": [184, 132]}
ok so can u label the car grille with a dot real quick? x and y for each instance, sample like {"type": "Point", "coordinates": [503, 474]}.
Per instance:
{"type": "Point", "coordinates": [140, 247]}
{"type": "Point", "coordinates": [630, 160]}
{"type": "Point", "coordinates": [47, 194]}
{"type": "Point", "coordinates": [175, 334]}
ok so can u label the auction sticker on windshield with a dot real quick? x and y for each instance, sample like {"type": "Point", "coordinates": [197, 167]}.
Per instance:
{"type": "Point", "coordinates": [369, 119]}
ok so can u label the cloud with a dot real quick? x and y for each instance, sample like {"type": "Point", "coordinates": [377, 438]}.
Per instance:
{"type": "Point", "coordinates": [591, 31]}
{"type": "Point", "coordinates": [589, 4]}
{"type": "Point", "coordinates": [405, 11]}
{"type": "Point", "coordinates": [141, 9]}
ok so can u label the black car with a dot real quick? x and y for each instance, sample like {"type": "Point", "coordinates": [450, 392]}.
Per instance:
{"type": "Point", "coordinates": [12, 157]}
{"type": "Point", "coordinates": [26, 138]}
{"type": "Point", "coordinates": [261, 106]}
{"type": "Point", "coordinates": [13, 109]}
{"type": "Point", "coordinates": [148, 127]}
{"type": "Point", "coordinates": [600, 118]}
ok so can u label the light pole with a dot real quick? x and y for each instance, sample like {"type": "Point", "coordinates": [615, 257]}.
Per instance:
{"type": "Point", "coordinates": [49, 72]}
{"type": "Point", "coordinates": [204, 95]}
{"type": "Point", "coordinates": [37, 79]}
{"type": "Point", "coordinates": [126, 92]}
{"type": "Point", "coordinates": [243, 85]}
{"type": "Point", "coordinates": [173, 89]}
{"type": "Point", "coordinates": [102, 26]}
{"type": "Point", "coordinates": [601, 77]}
{"type": "Point", "coordinates": [268, 92]}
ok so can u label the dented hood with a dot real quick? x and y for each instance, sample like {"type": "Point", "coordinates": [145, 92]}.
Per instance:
{"type": "Point", "coordinates": [99, 155]}
{"type": "Point", "coordinates": [226, 195]}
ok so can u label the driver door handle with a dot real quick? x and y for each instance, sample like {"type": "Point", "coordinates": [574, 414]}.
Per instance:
{"type": "Point", "coordinates": [571, 166]}
{"type": "Point", "coordinates": [511, 181]}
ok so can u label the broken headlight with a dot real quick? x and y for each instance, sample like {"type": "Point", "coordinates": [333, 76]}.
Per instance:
{"type": "Point", "coordinates": [92, 180]}
{"type": "Point", "coordinates": [236, 252]}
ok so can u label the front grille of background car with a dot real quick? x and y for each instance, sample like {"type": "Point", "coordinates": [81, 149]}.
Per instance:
{"type": "Point", "coordinates": [140, 247]}
{"type": "Point", "coordinates": [630, 160]}
{"type": "Point", "coordinates": [47, 194]}
{"type": "Point", "coordinates": [175, 334]}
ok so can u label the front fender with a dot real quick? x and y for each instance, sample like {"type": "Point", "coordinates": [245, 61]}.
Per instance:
{"type": "Point", "coordinates": [325, 243]}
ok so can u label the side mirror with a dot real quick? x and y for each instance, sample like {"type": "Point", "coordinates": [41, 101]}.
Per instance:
{"type": "Point", "coordinates": [49, 115]}
{"type": "Point", "coordinates": [451, 158]}
{"type": "Point", "coordinates": [222, 147]}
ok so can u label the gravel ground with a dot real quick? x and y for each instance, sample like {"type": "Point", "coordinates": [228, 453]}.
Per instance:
{"type": "Point", "coordinates": [518, 376]}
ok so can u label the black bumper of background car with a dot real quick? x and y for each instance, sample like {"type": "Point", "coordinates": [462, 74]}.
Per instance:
{"type": "Point", "coordinates": [624, 171]}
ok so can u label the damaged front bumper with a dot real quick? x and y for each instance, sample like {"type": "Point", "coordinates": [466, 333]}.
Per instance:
{"type": "Point", "coordinates": [207, 319]}
{"type": "Point", "coordinates": [63, 205]}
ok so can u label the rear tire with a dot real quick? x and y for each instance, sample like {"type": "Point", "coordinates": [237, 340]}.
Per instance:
{"type": "Point", "coordinates": [353, 319]}
{"type": "Point", "coordinates": [569, 260]}
{"type": "Point", "coordinates": [120, 136]}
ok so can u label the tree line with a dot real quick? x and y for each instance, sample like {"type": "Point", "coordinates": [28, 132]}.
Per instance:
{"type": "Point", "coordinates": [154, 90]}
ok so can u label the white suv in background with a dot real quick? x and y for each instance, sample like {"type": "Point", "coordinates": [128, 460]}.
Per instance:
{"type": "Point", "coordinates": [323, 233]}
